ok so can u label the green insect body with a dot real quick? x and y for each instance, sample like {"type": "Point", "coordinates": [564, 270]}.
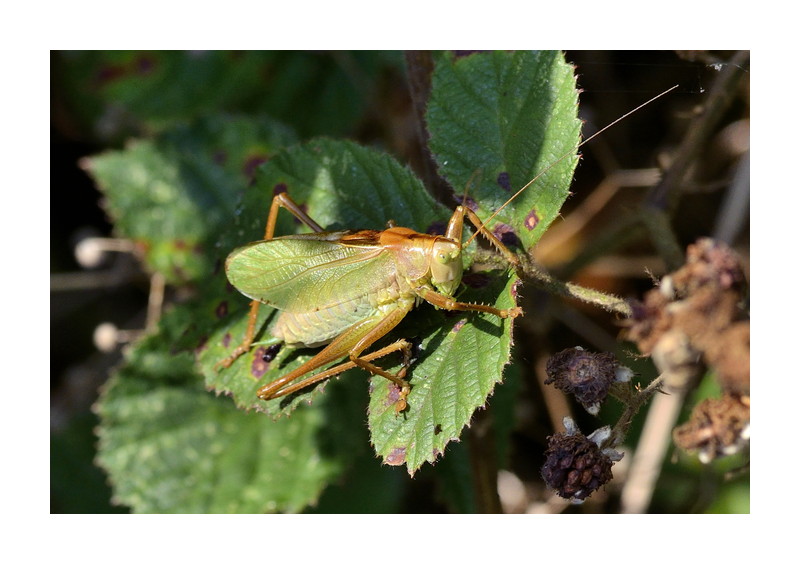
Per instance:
{"type": "Point", "coordinates": [346, 289]}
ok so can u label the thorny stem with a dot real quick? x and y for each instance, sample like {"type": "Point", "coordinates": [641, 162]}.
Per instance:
{"type": "Point", "coordinates": [530, 271]}
{"type": "Point", "coordinates": [482, 458]}
{"type": "Point", "coordinates": [633, 403]}
{"type": "Point", "coordinates": [645, 465]}
{"type": "Point", "coordinates": [419, 69]}
{"type": "Point", "coordinates": [539, 276]}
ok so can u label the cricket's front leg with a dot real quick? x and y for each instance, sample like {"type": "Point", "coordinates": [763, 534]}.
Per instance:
{"type": "Point", "coordinates": [446, 302]}
{"type": "Point", "coordinates": [512, 259]}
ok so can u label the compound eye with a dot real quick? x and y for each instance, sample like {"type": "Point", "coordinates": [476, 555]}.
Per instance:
{"type": "Point", "coordinates": [445, 251]}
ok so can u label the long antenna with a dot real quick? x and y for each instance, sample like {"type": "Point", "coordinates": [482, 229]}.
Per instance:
{"type": "Point", "coordinates": [554, 163]}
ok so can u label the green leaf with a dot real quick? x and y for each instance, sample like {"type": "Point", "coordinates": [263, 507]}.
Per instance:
{"type": "Point", "coordinates": [174, 194]}
{"type": "Point", "coordinates": [368, 488]}
{"type": "Point", "coordinates": [512, 116]}
{"type": "Point", "coordinates": [77, 485]}
{"type": "Point", "coordinates": [512, 100]}
{"type": "Point", "coordinates": [456, 479]}
{"type": "Point", "coordinates": [170, 446]}
{"type": "Point", "coordinates": [462, 359]}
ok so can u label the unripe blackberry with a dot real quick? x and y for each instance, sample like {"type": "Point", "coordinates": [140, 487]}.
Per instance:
{"type": "Point", "coordinates": [575, 465]}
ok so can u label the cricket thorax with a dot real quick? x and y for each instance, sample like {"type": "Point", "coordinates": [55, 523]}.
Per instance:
{"type": "Point", "coordinates": [424, 259]}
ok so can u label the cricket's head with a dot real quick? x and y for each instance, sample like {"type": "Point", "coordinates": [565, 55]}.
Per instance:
{"type": "Point", "coordinates": [446, 265]}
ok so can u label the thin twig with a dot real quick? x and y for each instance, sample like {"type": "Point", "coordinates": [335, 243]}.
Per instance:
{"type": "Point", "coordinates": [663, 237]}
{"type": "Point", "coordinates": [625, 229]}
{"type": "Point", "coordinates": [559, 233]}
{"type": "Point", "coordinates": [483, 462]}
{"type": "Point", "coordinates": [665, 194]}
{"type": "Point", "coordinates": [734, 213]}
{"type": "Point", "coordinates": [155, 300]}
{"type": "Point", "coordinates": [659, 203]}
{"type": "Point", "coordinates": [633, 403]}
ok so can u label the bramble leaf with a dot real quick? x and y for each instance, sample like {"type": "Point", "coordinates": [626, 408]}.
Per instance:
{"type": "Point", "coordinates": [174, 194]}
{"type": "Point", "coordinates": [170, 446]}
{"type": "Point", "coordinates": [462, 357]}
{"type": "Point", "coordinates": [513, 116]}
{"type": "Point", "coordinates": [342, 185]}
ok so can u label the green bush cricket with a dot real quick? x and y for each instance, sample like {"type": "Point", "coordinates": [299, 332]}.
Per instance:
{"type": "Point", "coordinates": [347, 289]}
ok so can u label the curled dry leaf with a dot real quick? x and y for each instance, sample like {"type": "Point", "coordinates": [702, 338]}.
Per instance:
{"type": "Point", "coordinates": [694, 318]}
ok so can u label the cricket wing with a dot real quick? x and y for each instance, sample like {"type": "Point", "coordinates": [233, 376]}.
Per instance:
{"type": "Point", "coordinates": [307, 273]}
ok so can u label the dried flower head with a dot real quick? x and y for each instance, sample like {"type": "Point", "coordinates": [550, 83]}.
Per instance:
{"type": "Point", "coordinates": [717, 427]}
{"type": "Point", "coordinates": [586, 375]}
{"type": "Point", "coordinates": [695, 319]}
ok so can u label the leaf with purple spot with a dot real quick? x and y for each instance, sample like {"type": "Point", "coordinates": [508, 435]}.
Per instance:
{"type": "Point", "coordinates": [512, 116]}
